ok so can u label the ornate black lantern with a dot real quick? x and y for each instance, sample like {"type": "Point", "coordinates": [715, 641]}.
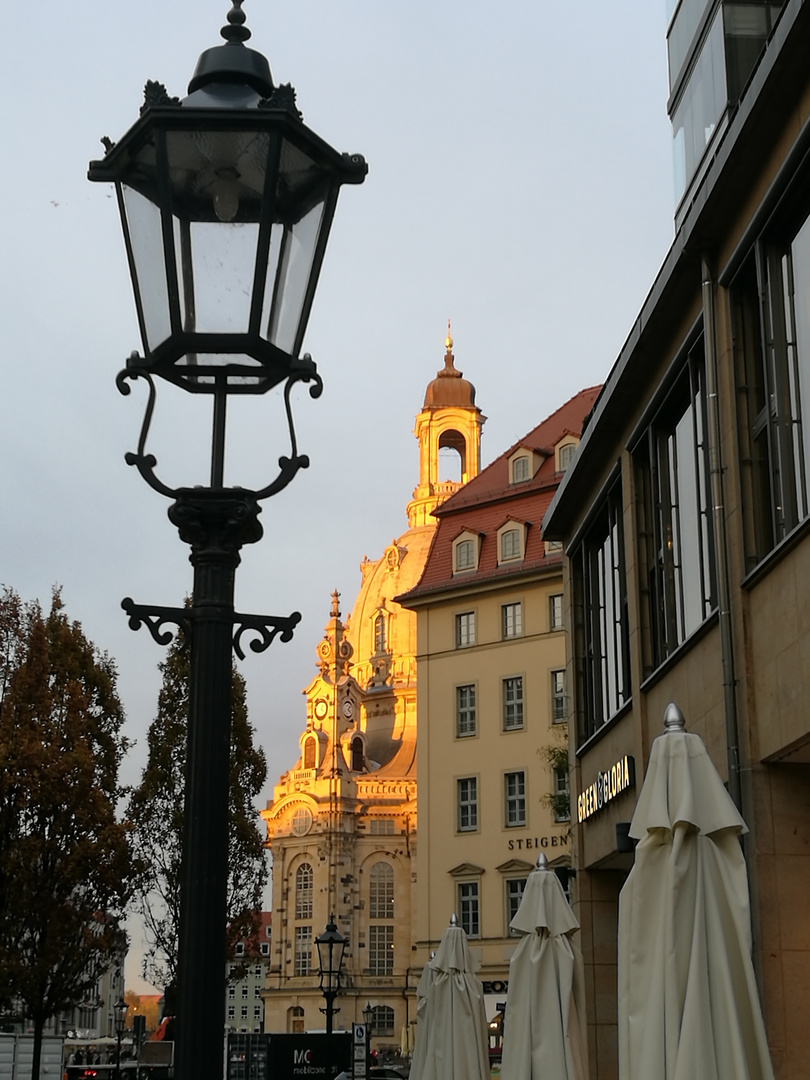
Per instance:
{"type": "Point", "coordinates": [120, 1015]}
{"type": "Point", "coordinates": [331, 946]}
{"type": "Point", "coordinates": [226, 200]}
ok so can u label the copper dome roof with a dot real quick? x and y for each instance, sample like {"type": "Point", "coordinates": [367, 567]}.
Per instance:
{"type": "Point", "coordinates": [449, 388]}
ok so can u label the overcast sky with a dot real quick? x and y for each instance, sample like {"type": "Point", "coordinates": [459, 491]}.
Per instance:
{"type": "Point", "coordinates": [519, 184]}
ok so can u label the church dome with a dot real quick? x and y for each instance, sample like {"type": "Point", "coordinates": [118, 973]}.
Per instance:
{"type": "Point", "coordinates": [449, 389]}
{"type": "Point", "coordinates": [379, 627]}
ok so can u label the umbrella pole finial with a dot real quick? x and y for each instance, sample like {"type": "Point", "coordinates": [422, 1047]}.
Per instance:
{"type": "Point", "coordinates": [542, 862]}
{"type": "Point", "coordinates": [673, 718]}
{"type": "Point", "coordinates": [454, 919]}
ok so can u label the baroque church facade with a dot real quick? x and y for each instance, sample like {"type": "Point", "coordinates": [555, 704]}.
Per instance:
{"type": "Point", "coordinates": [342, 823]}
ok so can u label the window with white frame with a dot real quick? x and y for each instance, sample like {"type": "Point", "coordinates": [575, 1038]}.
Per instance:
{"type": "Point", "coordinates": [555, 611]}
{"type": "Point", "coordinates": [468, 908]}
{"type": "Point", "coordinates": [514, 894]}
{"type": "Point", "coordinates": [512, 620]}
{"type": "Point", "coordinates": [257, 1012]}
{"type": "Point", "coordinates": [465, 710]}
{"type": "Point", "coordinates": [265, 948]}
{"type": "Point", "coordinates": [244, 1012]}
{"type": "Point", "coordinates": [510, 545]}
{"type": "Point", "coordinates": [467, 790]}
{"type": "Point", "coordinates": [231, 1012]}
{"type": "Point", "coordinates": [515, 799]}
{"type": "Point", "coordinates": [465, 629]}
{"type": "Point", "coordinates": [566, 455]}
{"type": "Point", "coordinates": [381, 949]}
{"type": "Point", "coordinates": [520, 469]}
{"type": "Point", "coordinates": [381, 891]}
{"type": "Point", "coordinates": [231, 990]}
{"type": "Point", "coordinates": [244, 990]}
{"type": "Point", "coordinates": [464, 555]}
{"type": "Point", "coordinates": [558, 696]}
{"type": "Point", "coordinates": [304, 878]}
{"type": "Point", "coordinates": [513, 703]}
{"type": "Point", "coordinates": [381, 826]}
{"type": "Point", "coordinates": [302, 960]}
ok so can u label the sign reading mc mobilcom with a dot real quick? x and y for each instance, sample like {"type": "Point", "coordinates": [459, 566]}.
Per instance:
{"type": "Point", "coordinates": [606, 786]}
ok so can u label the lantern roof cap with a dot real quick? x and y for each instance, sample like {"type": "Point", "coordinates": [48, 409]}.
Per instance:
{"type": "Point", "coordinates": [233, 62]}
{"type": "Point", "coordinates": [449, 388]}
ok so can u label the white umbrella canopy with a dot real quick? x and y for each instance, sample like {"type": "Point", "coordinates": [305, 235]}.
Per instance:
{"type": "Point", "coordinates": [688, 1003]}
{"type": "Point", "coordinates": [451, 1035]}
{"type": "Point", "coordinates": [542, 1033]}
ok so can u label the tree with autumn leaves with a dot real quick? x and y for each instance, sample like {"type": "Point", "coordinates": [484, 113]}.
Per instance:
{"type": "Point", "coordinates": [66, 867]}
{"type": "Point", "coordinates": [156, 812]}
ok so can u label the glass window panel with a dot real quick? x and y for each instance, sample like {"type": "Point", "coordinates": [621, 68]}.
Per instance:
{"type": "Point", "coordinates": [510, 544]}
{"type": "Point", "coordinates": [515, 791]}
{"type": "Point", "coordinates": [467, 804]}
{"type": "Point", "coordinates": [295, 250]}
{"type": "Point", "coordinates": [469, 915]}
{"type": "Point", "coordinates": [513, 703]}
{"type": "Point", "coordinates": [146, 239]}
{"type": "Point", "coordinates": [465, 710]}
{"type": "Point", "coordinates": [381, 891]}
{"type": "Point", "coordinates": [223, 264]}
{"type": "Point", "coordinates": [701, 106]}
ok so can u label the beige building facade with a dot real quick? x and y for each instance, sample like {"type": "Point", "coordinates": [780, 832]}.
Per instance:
{"type": "Point", "coordinates": [342, 824]}
{"type": "Point", "coordinates": [686, 520]}
{"type": "Point", "coordinates": [491, 699]}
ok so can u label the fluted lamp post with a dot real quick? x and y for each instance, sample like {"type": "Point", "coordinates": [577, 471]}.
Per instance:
{"type": "Point", "coordinates": [331, 946]}
{"type": "Point", "coordinates": [226, 200]}
{"type": "Point", "coordinates": [120, 1015]}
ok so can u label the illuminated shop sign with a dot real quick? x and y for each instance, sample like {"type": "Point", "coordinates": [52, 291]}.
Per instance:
{"type": "Point", "coordinates": [607, 786]}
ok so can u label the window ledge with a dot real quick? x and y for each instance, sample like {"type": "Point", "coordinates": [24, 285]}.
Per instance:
{"type": "Point", "coordinates": [685, 646]}
{"type": "Point", "coordinates": [776, 554]}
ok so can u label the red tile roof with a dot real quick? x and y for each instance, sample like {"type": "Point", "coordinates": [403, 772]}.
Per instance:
{"type": "Point", "coordinates": [486, 503]}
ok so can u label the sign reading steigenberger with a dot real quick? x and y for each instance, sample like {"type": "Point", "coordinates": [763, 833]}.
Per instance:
{"type": "Point", "coordinates": [607, 786]}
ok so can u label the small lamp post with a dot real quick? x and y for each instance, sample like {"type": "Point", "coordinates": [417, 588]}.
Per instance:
{"type": "Point", "coordinates": [368, 1020]}
{"type": "Point", "coordinates": [331, 947]}
{"type": "Point", "coordinates": [226, 201]}
{"type": "Point", "coordinates": [120, 1014]}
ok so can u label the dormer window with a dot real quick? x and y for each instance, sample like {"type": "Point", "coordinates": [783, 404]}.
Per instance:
{"type": "Point", "coordinates": [510, 544]}
{"type": "Point", "coordinates": [465, 552]}
{"type": "Point", "coordinates": [511, 541]}
{"type": "Point", "coordinates": [520, 469]}
{"type": "Point", "coordinates": [565, 455]}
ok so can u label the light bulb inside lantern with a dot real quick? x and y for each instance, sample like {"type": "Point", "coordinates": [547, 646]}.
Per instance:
{"type": "Point", "coordinates": [226, 194]}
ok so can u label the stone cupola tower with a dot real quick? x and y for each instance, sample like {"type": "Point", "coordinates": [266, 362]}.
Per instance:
{"type": "Point", "coordinates": [449, 419]}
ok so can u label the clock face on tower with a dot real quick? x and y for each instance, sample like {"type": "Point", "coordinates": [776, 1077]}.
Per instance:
{"type": "Point", "coordinates": [321, 709]}
{"type": "Point", "coordinates": [348, 709]}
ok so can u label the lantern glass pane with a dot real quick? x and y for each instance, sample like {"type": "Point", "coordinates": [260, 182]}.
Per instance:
{"type": "Point", "coordinates": [217, 263]}
{"type": "Point", "coordinates": [146, 240]}
{"type": "Point", "coordinates": [292, 251]}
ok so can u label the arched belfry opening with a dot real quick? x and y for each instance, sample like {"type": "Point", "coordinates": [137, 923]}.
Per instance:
{"type": "Point", "coordinates": [449, 433]}
{"type": "Point", "coordinates": [452, 457]}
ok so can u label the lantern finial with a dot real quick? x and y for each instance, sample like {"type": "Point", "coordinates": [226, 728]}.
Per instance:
{"type": "Point", "coordinates": [448, 341]}
{"type": "Point", "coordinates": [235, 32]}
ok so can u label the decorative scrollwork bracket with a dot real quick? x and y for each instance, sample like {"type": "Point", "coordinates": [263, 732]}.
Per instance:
{"type": "Point", "coordinates": [268, 627]}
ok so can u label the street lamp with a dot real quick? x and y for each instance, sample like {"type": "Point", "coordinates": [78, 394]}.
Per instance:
{"type": "Point", "coordinates": [226, 201]}
{"type": "Point", "coordinates": [331, 947]}
{"type": "Point", "coordinates": [368, 1020]}
{"type": "Point", "coordinates": [120, 1014]}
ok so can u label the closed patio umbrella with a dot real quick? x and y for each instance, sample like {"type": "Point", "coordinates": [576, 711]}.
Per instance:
{"type": "Point", "coordinates": [688, 1003]}
{"type": "Point", "coordinates": [542, 1035]}
{"type": "Point", "coordinates": [451, 1037]}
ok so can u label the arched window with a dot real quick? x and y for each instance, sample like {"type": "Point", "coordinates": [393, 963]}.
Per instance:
{"type": "Point", "coordinates": [310, 753]}
{"type": "Point", "coordinates": [382, 1020]}
{"type": "Point", "coordinates": [381, 891]}
{"type": "Point", "coordinates": [358, 763]}
{"type": "Point", "coordinates": [303, 891]}
{"type": "Point", "coordinates": [379, 634]}
{"type": "Point", "coordinates": [295, 1019]}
